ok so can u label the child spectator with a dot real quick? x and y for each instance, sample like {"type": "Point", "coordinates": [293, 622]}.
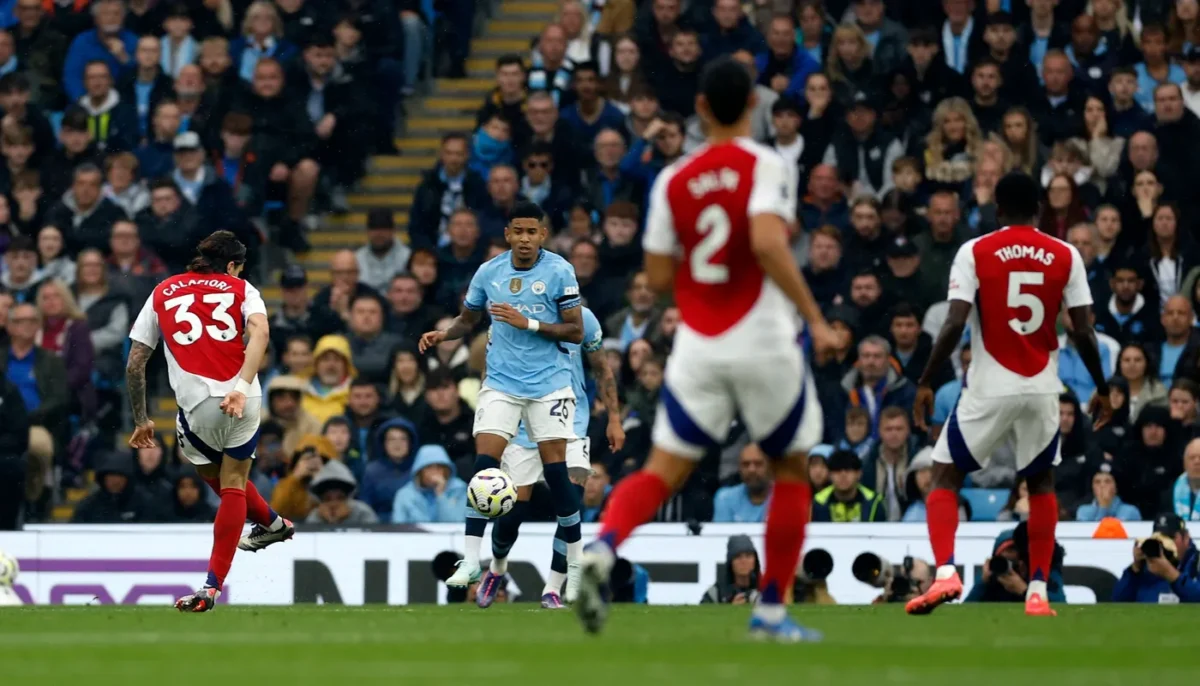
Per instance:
{"type": "Point", "coordinates": [395, 443]}
{"type": "Point", "coordinates": [435, 493]}
{"type": "Point", "coordinates": [491, 145]}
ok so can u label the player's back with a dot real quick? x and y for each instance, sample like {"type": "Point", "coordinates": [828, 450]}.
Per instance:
{"type": "Point", "coordinates": [701, 208]}
{"type": "Point", "coordinates": [1021, 279]}
{"type": "Point", "coordinates": [201, 319]}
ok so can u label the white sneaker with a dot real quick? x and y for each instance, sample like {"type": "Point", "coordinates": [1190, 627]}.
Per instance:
{"type": "Point", "coordinates": [464, 575]}
{"type": "Point", "coordinates": [573, 572]}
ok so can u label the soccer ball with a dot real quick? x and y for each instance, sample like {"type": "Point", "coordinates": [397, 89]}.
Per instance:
{"type": "Point", "coordinates": [8, 569]}
{"type": "Point", "coordinates": [491, 493]}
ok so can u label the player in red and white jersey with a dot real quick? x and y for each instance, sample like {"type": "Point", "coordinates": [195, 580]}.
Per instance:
{"type": "Point", "coordinates": [1010, 286]}
{"type": "Point", "coordinates": [719, 231]}
{"type": "Point", "coordinates": [202, 317]}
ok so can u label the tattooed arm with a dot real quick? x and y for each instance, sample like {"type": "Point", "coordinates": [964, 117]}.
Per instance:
{"type": "Point", "coordinates": [606, 384]}
{"type": "Point", "coordinates": [135, 384]}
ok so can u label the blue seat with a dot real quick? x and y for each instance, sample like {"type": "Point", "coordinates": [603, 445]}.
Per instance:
{"type": "Point", "coordinates": [986, 503]}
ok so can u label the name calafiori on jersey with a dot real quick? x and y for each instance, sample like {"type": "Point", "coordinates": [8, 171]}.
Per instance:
{"type": "Point", "coordinates": [1013, 252]}
{"type": "Point", "coordinates": [724, 179]}
{"type": "Point", "coordinates": [176, 285]}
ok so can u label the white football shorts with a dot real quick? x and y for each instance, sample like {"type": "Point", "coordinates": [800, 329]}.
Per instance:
{"type": "Point", "coordinates": [524, 465]}
{"type": "Point", "coordinates": [978, 426]}
{"type": "Point", "coordinates": [550, 417]}
{"type": "Point", "coordinates": [206, 433]}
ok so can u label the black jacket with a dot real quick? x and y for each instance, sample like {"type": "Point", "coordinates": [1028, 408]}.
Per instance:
{"type": "Point", "coordinates": [322, 319]}
{"type": "Point", "coordinates": [1059, 122]}
{"type": "Point", "coordinates": [131, 505]}
{"type": "Point", "coordinates": [341, 98]}
{"type": "Point", "coordinates": [41, 55]}
{"type": "Point", "coordinates": [1143, 326]}
{"type": "Point", "coordinates": [14, 430]}
{"type": "Point", "coordinates": [916, 364]}
{"type": "Point", "coordinates": [89, 230]}
{"type": "Point", "coordinates": [939, 82]}
{"type": "Point", "coordinates": [454, 436]}
{"type": "Point", "coordinates": [425, 217]}
{"type": "Point", "coordinates": [282, 122]}
{"type": "Point", "coordinates": [1179, 148]}
{"type": "Point", "coordinates": [173, 238]}
{"type": "Point", "coordinates": [57, 172]}
{"type": "Point", "coordinates": [162, 89]}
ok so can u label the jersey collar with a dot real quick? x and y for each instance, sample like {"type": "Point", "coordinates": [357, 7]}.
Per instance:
{"type": "Point", "coordinates": [541, 254]}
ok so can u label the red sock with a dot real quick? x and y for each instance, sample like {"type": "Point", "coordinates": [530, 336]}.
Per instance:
{"type": "Point", "coordinates": [941, 515]}
{"type": "Point", "coordinates": [227, 529]}
{"type": "Point", "coordinates": [787, 516]}
{"type": "Point", "coordinates": [632, 503]}
{"type": "Point", "coordinates": [1043, 518]}
{"type": "Point", "coordinates": [257, 509]}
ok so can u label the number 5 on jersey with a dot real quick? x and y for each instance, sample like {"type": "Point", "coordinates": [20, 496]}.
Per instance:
{"type": "Point", "coordinates": [1018, 299]}
{"type": "Point", "coordinates": [183, 316]}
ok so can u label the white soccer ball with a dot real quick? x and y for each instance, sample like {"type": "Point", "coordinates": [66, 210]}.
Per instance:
{"type": "Point", "coordinates": [491, 493]}
{"type": "Point", "coordinates": [8, 569]}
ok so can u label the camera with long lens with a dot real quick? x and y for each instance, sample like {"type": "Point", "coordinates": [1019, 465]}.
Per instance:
{"type": "Point", "coordinates": [1000, 565]}
{"type": "Point", "coordinates": [895, 580]}
{"type": "Point", "coordinates": [1158, 545]}
{"type": "Point", "coordinates": [810, 586]}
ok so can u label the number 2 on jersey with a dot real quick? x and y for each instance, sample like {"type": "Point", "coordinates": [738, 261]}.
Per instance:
{"type": "Point", "coordinates": [713, 225]}
{"type": "Point", "coordinates": [1018, 299]}
{"type": "Point", "coordinates": [220, 313]}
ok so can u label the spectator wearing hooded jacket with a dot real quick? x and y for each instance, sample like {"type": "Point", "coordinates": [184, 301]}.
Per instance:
{"type": "Point", "coordinates": [435, 494]}
{"type": "Point", "coordinates": [1173, 577]}
{"type": "Point", "coordinates": [737, 581]}
{"type": "Point", "coordinates": [117, 500]}
{"type": "Point", "coordinates": [876, 382]}
{"type": "Point", "coordinates": [1106, 502]}
{"type": "Point", "coordinates": [329, 387]}
{"type": "Point", "coordinates": [189, 505]}
{"type": "Point", "coordinates": [1149, 463]}
{"type": "Point", "coordinates": [113, 122]}
{"type": "Point", "coordinates": [335, 488]}
{"type": "Point", "coordinates": [285, 393]}
{"type": "Point", "coordinates": [292, 498]}
{"type": "Point", "coordinates": [1010, 587]}
{"type": "Point", "coordinates": [394, 444]}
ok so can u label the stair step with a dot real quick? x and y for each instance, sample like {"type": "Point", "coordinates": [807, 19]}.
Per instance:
{"type": "Point", "coordinates": [480, 65]}
{"type": "Point", "coordinates": [390, 181]}
{"type": "Point", "coordinates": [517, 27]}
{"type": "Point", "coordinates": [507, 9]}
{"type": "Point", "coordinates": [166, 405]}
{"type": "Point", "coordinates": [389, 200]}
{"type": "Point", "coordinates": [420, 143]}
{"type": "Point", "coordinates": [500, 46]}
{"type": "Point", "coordinates": [450, 104]}
{"type": "Point", "coordinates": [465, 85]}
{"type": "Point", "coordinates": [443, 124]}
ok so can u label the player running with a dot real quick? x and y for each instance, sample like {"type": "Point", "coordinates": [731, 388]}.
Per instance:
{"type": "Point", "coordinates": [719, 229]}
{"type": "Point", "coordinates": [202, 316]}
{"type": "Point", "coordinates": [1011, 284]}
{"type": "Point", "coordinates": [523, 464]}
{"type": "Point", "coordinates": [533, 299]}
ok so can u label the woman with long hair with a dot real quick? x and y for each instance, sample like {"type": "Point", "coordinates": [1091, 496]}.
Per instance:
{"type": "Point", "coordinates": [65, 333]}
{"type": "Point", "coordinates": [626, 73]}
{"type": "Point", "coordinates": [1062, 208]}
{"type": "Point", "coordinates": [1137, 213]}
{"type": "Point", "coordinates": [1183, 27]}
{"type": "Point", "coordinates": [406, 384]}
{"type": "Point", "coordinates": [262, 36]}
{"type": "Point", "coordinates": [952, 147]}
{"type": "Point", "coordinates": [849, 63]}
{"type": "Point", "coordinates": [814, 30]}
{"type": "Point", "coordinates": [107, 313]}
{"type": "Point", "coordinates": [1171, 255]}
{"type": "Point", "coordinates": [1145, 388]}
{"type": "Point", "coordinates": [1116, 28]}
{"type": "Point", "coordinates": [53, 262]}
{"type": "Point", "coordinates": [1103, 149]}
{"type": "Point", "coordinates": [1021, 134]}
{"type": "Point", "coordinates": [1110, 248]}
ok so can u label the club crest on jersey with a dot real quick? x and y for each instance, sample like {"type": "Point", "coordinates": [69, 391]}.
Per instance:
{"type": "Point", "coordinates": [538, 288]}
{"type": "Point", "coordinates": [514, 285]}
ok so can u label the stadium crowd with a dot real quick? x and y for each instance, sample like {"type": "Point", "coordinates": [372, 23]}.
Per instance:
{"type": "Point", "coordinates": [900, 118]}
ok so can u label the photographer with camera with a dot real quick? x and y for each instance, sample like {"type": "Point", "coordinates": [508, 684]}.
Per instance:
{"type": "Point", "coordinates": [1164, 568]}
{"type": "Point", "coordinates": [737, 583]}
{"type": "Point", "coordinates": [1006, 573]}
{"type": "Point", "coordinates": [900, 583]}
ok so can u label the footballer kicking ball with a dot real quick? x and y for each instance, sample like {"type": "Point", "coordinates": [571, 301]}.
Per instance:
{"type": "Point", "coordinates": [491, 493]}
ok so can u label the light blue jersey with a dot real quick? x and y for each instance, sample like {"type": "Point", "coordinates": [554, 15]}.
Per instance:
{"type": "Point", "coordinates": [593, 338]}
{"type": "Point", "coordinates": [521, 363]}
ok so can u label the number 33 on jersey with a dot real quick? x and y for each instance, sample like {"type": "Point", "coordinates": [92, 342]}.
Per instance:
{"type": "Point", "coordinates": [201, 319]}
{"type": "Point", "coordinates": [1018, 280]}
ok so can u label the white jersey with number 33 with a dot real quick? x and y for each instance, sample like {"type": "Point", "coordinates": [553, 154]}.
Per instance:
{"type": "Point", "coordinates": [202, 320]}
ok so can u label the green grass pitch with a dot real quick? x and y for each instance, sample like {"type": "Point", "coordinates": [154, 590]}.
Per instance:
{"type": "Point", "coordinates": [521, 645]}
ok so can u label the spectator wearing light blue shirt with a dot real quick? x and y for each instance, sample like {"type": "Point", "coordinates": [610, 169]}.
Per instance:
{"type": "Point", "coordinates": [1181, 339]}
{"type": "Point", "coordinates": [1156, 67]}
{"type": "Point", "coordinates": [747, 501]}
{"type": "Point", "coordinates": [1106, 502]}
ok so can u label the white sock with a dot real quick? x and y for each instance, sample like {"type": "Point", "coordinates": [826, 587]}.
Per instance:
{"type": "Point", "coordinates": [554, 583]}
{"type": "Point", "coordinates": [276, 524]}
{"type": "Point", "coordinates": [772, 613]}
{"type": "Point", "coordinates": [499, 565]}
{"type": "Point", "coordinates": [1036, 588]}
{"type": "Point", "coordinates": [574, 551]}
{"type": "Point", "coordinates": [945, 572]}
{"type": "Point", "coordinates": [471, 546]}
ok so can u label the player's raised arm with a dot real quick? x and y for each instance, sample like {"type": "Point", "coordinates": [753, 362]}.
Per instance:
{"type": "Point", "coordinates": [963, 285]}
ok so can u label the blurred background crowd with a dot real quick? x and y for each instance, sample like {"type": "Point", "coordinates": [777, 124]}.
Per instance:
{"type": "Point", "coordinates": [132, 129]}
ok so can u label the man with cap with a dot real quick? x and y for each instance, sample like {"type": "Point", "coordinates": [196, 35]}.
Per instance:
{"type": "Point", "coordinates": [786, 117]}
{"type": "Point", "coordinates": [204, 189]}
{"type": "Point", "coordinates": [1164, 568]}
{"type": "Point", "coordinates": [1105, 501]}
{"type": "Point", "coordinates": [384, 256]}
{"type": "Point", "coordinates": [862, 153]}
{"type": "Point", "coordinates": [903, 262]}
{"type": "Point", "coordinates": [846, 499]}
{"type": "Point", "coordinates": [292, 317]}
{"type": "Point", "coordinates": [1191, 87]}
